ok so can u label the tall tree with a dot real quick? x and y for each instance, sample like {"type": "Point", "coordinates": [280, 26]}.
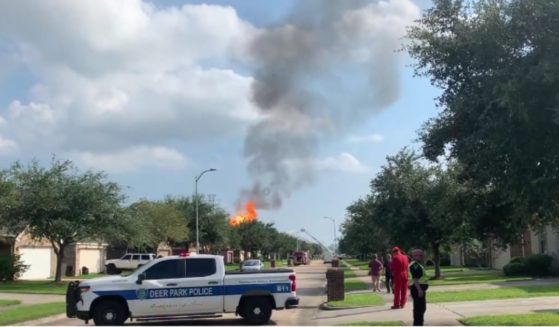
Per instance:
{"type": "Point", "coordinates": [61, 205]}
{"type": "Point", "coordinates": [417, 204]}
{"type": "Point", "coordinates": [364, 233]}
{"type": "Point", "coordinates": [496, 62]}
{"type": "Point", "coordinates": [212, 222]}
{"type": "Point", "coordinates": [162, 222]}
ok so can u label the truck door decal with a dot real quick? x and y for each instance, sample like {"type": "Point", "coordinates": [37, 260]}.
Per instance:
{"type": "Point", "coordinates": [164, 293]}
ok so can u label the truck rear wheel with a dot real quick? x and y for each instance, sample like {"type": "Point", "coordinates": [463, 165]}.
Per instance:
{"type": "Point", "coordinates": [109, 313]}
{"type": "Point", "coordinates": [256, 310]}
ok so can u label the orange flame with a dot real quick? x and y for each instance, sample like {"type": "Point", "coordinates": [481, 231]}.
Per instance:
{"type": "Point", "coordinates": [249, 216]}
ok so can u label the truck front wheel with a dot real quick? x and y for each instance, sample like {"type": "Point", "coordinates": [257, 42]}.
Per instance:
{"type": "Point", "coordinates": [109, 313]}
{"type": "Point", "coordinates": [111, 269]}
{"type": "Point", "coordinates": [256, 310]}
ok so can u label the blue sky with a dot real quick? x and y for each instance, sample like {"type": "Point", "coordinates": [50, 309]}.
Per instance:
{"type": "Point", "coordinates": [155, 94]}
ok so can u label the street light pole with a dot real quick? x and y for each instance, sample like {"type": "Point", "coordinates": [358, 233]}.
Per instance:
{"type": "Point", "coordinates": [335, 237]}
{"type": "Point", "coordinates": [196, 205]}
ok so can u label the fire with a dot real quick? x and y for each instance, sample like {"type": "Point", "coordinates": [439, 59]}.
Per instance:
{"type": "Point", "coordinates": [249, 216]}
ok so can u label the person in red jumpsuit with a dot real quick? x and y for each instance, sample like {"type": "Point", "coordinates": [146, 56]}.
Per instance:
{"type": "Point", "coordinates": [399, 269]}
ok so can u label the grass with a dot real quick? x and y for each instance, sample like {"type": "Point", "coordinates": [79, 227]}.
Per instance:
{"type": "Point", "coordinates": [358, 300]}
{"type": "Point", "coordinates": [530, 319]}
{"type": "Point", "coordinates": [33, 287]}
{"type": "Point", "coordinates": [363, 265]}
{"type": "Point", "coordinates": [487, 277]}
{"type": "Point", "coordinates": [375, 323]}
{"type": "Point", "coordinates": [5, 303]}
{"type": "Point", "coordinates": [31, 312]}
{"type": "Point", "coordinates": [355, 285]}
{"type": "Point", "coordinates": [90, 276]}
{"type": "Point", "coordinates": [493, 294]}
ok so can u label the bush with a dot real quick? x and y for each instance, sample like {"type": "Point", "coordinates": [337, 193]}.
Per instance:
{"type": "Point", "coordinates": [534, 265]}
{"type": "Point", "coordinates": [515, 269]}
{"type": "Point", "coordinates": [539, 265]}
{"type": "Point", "coordinates": [11, 267]}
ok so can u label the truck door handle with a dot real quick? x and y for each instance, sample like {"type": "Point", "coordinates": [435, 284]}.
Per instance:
{"type": "Point", "coordinates": [213, 283]}
{"type": "Point", "coordinates": [172, 284]}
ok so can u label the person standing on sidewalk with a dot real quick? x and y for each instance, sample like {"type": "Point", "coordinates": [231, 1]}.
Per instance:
{"type": "Point", "coordinates": [399, 269]}
{"type": "Point", "coordinates": [419, 283]}
{"type": "Point", "coordinates": [375, 268]}
{"type": "Point", "coordinates": [387, 272]}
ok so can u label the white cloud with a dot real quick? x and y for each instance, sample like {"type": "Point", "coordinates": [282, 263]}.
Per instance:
{"type": "Point", "coordinates": [134, 160]}
{"type": "Point", "coordinates": [371, 138]}
{"type": "Point", "coordinates": [344, 162]}
{"type": "Point", "coordinates": [114, 75]}
{"type": "Point", "coordinates": [7, 146]}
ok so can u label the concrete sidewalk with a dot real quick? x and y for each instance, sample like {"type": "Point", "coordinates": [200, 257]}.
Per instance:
{"type": "Point", "coordinates": [441, 314]}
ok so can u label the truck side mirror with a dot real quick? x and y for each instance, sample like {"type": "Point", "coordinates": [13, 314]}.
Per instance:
{"type": "Point", "coordinates": [141, 278]}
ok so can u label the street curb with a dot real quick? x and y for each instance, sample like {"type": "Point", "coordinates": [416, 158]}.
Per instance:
{"type": "Point", "coordinates": [41, 321]}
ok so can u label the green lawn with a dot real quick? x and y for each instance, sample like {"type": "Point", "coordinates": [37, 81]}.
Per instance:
{"type": "Point", "coordinates": [358, 263]}
{"type": "Point", "coordinates": [492, 294]}
{"type": "Point", "coordinates": [4, 303]}
{"type": "Point", "coordinates": [31, 312]}
{"type": "Point", "coordinates": [358, 300]}
{"type": "Point", "coordinates": [487, 277]}
{"type": "Point", "coordinates": [349, 273]}
{"type": "Point", "coordinates": [375, 323]}
{"type": "Point", "coordinates": [36, 287]}
{"type": "Point", "coordinates": [431, 270]}
{"type": "Point", "coordinates": [531, 319]}
{"type": "Point", "coordinates": [354, 285]}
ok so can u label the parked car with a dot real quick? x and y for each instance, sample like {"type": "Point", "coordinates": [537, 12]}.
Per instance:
{"type": "Point", "coordinates": [129, 261]}
{"type": "Point", "coordinates": [252, 265]}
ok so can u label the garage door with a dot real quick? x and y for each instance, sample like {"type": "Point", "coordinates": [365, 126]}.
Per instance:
{"type": "Point", "coordinates": [39, 261]}
{"type": "Point", "coordinates": [91, 259]}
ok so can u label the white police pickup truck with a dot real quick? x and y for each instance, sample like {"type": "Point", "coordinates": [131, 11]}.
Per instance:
{"type": "Point", "coordinates": [182, 287]}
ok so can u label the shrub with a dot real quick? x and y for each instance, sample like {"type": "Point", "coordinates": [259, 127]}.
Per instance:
{"type": "Point", "coordinates": [534, 265]}
{"type": "Point", "coordinates": [539, 264]}
{"type": "Point", "coordinates": [518, 260]}
{"type": "Point", "coordinates": [11, 267]}
{"type": "Point", "coordinates": [515, 269]}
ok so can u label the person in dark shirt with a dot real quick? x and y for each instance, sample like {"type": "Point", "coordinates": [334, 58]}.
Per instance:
{"type": "Point", "coordinates": [419, 283]}
{"type": "Point", "coordinates": [387, 272]}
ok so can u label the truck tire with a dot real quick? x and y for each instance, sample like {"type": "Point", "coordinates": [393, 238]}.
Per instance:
{"type": "Point", "coordinates": [109, 313]}
{"type": "Point", "coordinates": [256, 310]}
{"type": "Point", "coordinates": [111, 269]}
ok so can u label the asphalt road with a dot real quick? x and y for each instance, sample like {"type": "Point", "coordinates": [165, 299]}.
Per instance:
{"type": "Point", "coordinates": [310, 288]}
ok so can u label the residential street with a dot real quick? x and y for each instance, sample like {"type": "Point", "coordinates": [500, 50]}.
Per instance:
{"type": "Point", "coordinates": [311, 281]}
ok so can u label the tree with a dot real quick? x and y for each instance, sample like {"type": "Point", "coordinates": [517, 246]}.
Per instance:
{"type": "Point", "coordinates": [61, 205]}
{"type": "Point", "coordinates": [212, 222]}
{"type": "Point", "coordinates": [363, 233]}
{"type": "Point", "coordinates": [418, 206]}
{"type": "Point", "coordinates": [161, 222]}
{"type": "Point", "coordinates": [497, 64]}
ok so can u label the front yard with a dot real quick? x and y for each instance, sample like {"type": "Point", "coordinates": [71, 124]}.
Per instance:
{"type": "Point", "coordinates": [530, 319]}
{"type": "Point", "coordinates": [34, 287]}
{"type": "Point", "coordinates": [31, 312]}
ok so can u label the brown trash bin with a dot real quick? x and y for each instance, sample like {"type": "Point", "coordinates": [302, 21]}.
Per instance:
{"type": "Point", "coordinates": [335, 284]}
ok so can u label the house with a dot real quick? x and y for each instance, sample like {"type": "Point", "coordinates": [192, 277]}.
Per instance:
{"type": "Point", "coordinates": [40, 257]}
{"type": "Point", "coordinates": [544, 241]}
